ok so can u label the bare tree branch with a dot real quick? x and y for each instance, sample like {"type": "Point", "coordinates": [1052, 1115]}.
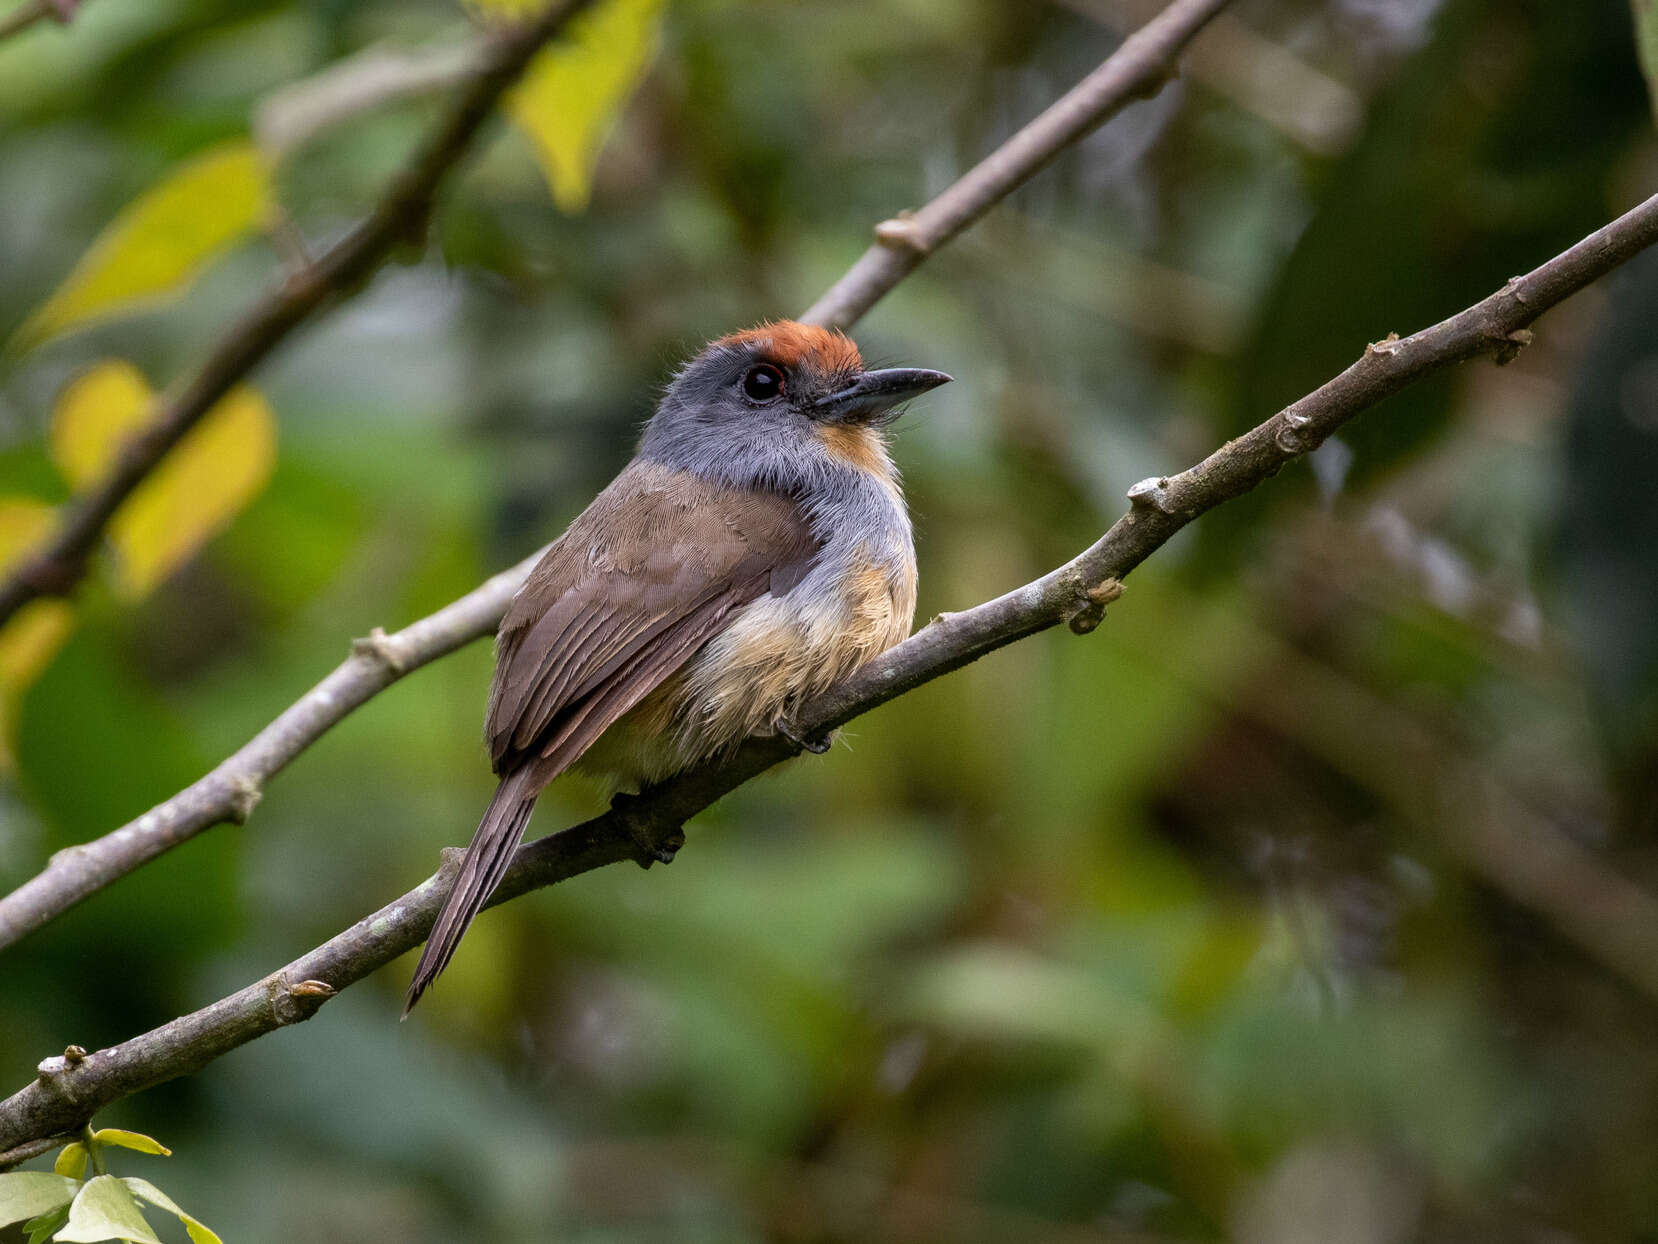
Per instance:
{"type": "Point", "coordinates": [19, 1154]}
{"type": "Point", "coordinates": [1623, 935]}
{"type": "Point", "coordinates": [1431, 784]}
{"type": "Point", "coordinates": [1259, 76]}
{"type": "Point", "coordinates": [230, 791]}
{"type": "Point", "coordinates": [295, 113]}
{"type": "Point", "coordinates": [59, 564]}
{"type": "Point", "coordinates": [1147, 59]}
{"type": "Point", "coordinates": [1138, 67]}
{"type": "Point", "coordinates": [32, 11]}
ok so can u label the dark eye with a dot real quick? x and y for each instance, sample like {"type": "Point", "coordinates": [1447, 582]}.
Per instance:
{"type": "Point", "coordinates": [763, 383]}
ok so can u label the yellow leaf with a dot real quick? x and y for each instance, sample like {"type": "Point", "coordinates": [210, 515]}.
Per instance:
{"type": "Point", "coordinates": [24, 523]}
{"type": "Point", "coordinates": [95, 414]}
{"type": "Point", "coordinates": [35, 632]}
{"type": "Point", "coordinates": [574, 91]}
{"type": "Point", "coordinates": [32, 638]}
{"type": "Point", "coordinates": [160, 242]}
{"type": "Point", "coordinates": [509, 10]}
{"type": "Point", "coordinates": [201, 486]}
{"type": "Point", "coordinates": [198, 488]}
{"type": "Point", "coordinates": [131, 1140]}
{"type": "Point", "coordinates": [71, 1160]}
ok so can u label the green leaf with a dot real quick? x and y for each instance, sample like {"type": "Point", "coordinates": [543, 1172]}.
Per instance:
{"type": "Point", "coordinates": [71, 1160]}
{"type": "Point", "coordinates": [41, 1228]}
{"type": "Point", "coordinates": [160, 242]}
{"type": "Point", "coordinates": [570, 98]}
{"type": "Point", "coordinates": [131, 1140]}
{"type": "Point", "coordinates": [105, 1210]}
{"type": "Point", "coordinates": [200, 1232]}
{"type": "Point", "coordinates": [1646, 45]}
{"type": "Point", "coordinates": [26, 1194]}
{"type": "Point", "coordinates": [206, 480]}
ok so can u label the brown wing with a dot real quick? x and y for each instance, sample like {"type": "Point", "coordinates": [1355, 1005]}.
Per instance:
{"type": "Point", "coordinates": [646, 575]}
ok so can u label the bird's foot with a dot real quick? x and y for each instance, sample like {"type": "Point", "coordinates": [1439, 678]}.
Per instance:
{"type": "Point", "coordinates": [785, 729]}
{"type": "Point", "coordinates": [654, 843]}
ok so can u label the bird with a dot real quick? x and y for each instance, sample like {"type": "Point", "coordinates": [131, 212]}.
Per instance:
{"type": "Point", "coordinates": [755, 550]}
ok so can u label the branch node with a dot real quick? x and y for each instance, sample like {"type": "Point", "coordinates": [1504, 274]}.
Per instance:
{"type": "Point", "coordinates": [1386, 347]}
{"type": "Point", "coordinates": [65, 857]}
{"type": "Point", "coordinates": [902, 233]}
{"type": "Point", "coordinates": [290, 243]}
{"type": "Point", "coordinates": [1509, 345]}
{"type": "Point", "coordinates": [939, 619]}
{"type": "Point", "coordinates": [381, 647]}
{"type": "Point", "coordinates": [653, 843]}
{"type": "Point", "coordinates": [245, 794]}
{"type": "Point", "coordinates": [1294, 435]}
{"type": "Point", "coordinates": [1090, 611]}
{"type": "Point", "coordinates": [1157, 78]}
{"type": "Point", "coordinates": [295, 1003]}
{"type": "Point", "coordinates": [1151, 494]}
{"type": "Point", "coordinates": [303, 284]}
{"type": "Point", "coordinates": [1515, 290]}
{"type": "Point", "coordinates": [52, 1070]}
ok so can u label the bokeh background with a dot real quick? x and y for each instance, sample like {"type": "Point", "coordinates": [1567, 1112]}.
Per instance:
{"type": "Point", "coordinates": [1217, 924]}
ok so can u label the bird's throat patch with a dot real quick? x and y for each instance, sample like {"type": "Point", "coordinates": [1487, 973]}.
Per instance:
{"type": "Point", "coordinates": [857, 446]}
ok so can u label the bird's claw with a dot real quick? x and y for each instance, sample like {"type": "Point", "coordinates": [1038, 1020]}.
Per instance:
{"type": "Point", "coordinates": [816, 746]}
{"type": "Point", "coordinates": [653, 845]}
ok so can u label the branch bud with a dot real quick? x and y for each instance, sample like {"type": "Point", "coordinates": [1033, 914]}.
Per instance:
{"type": "Point", "coordinates": [1151, 494]}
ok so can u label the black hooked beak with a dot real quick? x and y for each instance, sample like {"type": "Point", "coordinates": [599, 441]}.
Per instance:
{"type": "Point", "coordinates": [875, 392]}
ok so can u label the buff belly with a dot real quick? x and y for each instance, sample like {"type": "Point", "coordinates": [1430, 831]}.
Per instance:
{"type": "Point", "coordinates": [777, 652]}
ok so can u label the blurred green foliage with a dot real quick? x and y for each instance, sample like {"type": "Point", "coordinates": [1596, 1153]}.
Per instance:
{"type": "Point", "coordinates": [1192, 929]}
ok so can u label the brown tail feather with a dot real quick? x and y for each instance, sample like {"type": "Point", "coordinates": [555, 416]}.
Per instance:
{"type": "Point", "coordinates": [487, 858]}
{"type": "Point", "coordinates": [498, 833]}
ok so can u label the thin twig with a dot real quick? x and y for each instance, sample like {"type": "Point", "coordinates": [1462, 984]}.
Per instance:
{"type": "Point", "coordinates": [1259, 76]}
{"type": "Point", "coordinates": [30, 12]}
{"type": "Point", "coordinates": [1137, 67]}
{"type": "Point", "coordinates": [230, 791]}
{"type": "Point", "coordinates": [1432, 785]}
{"type": "Point", "coordinates": [19, 1154]}
{"type": "Point", "coordinates": [1624, 936]}
{"type": "Point", "coordinates": [295, 113]}
{"type": "Point", "coordinates": [400, 217]}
